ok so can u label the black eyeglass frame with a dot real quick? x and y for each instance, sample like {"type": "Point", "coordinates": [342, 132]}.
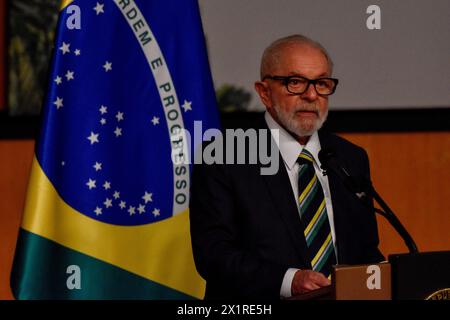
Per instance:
{"type": "Point", "coordinates": [285, 81]}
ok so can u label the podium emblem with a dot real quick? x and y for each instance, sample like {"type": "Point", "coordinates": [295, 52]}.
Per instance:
{"type": "Point", "coordinates": [443, 294]}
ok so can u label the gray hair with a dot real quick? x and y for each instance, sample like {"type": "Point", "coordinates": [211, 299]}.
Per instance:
{"type": "Point", "coordinates": [271, 55]}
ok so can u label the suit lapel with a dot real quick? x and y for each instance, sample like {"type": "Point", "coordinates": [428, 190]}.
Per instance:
{"type": "Point", "coordinates": [279, 187]}
{"type": "Point", "coordinates": [339, 209]}
{"type": "Point", "coordinates": [282, 197]}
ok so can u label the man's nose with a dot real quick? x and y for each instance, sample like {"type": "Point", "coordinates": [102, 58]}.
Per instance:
{"type": "Point", "coordinates": [310, 94]}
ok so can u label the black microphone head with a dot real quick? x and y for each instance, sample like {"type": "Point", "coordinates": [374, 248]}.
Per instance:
{"type": "Point", "coordinates": [329, 162]}
{"type": "Point", "coordinates": [324, 157]}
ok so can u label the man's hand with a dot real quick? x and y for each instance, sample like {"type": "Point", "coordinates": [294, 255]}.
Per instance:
{"type": "Point", "coordinates": [308, 280]}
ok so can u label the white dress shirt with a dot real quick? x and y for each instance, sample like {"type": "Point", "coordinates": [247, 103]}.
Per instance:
{"type": "Point", "coordinates": [290, 149]}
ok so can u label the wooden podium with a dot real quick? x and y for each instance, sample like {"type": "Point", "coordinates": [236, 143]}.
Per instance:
{"type": "Point", "coordinates": [411, 276]}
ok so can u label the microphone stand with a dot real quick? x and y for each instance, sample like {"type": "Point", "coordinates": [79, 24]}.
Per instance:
{"type": "Point", "coordinates": [362, 188]}
{"type": "Point", "coordinates": [391, 217]}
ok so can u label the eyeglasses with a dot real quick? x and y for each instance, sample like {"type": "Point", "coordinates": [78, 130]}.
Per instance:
{"type": "Point", "coordinates": [299, 85]}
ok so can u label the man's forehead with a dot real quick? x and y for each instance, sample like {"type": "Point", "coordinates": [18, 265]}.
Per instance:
{"type": "Point", "coordinates": [295, 61]}
{"type": "Point", "coordinates": [301, 50]}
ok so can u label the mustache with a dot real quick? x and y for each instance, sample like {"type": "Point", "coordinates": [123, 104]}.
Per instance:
{"type": "Point", "coordinates": [306, 108]}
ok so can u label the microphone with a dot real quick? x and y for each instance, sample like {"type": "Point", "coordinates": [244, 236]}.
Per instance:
{"type": "Point", "coordinates": [361, 187]}
{"type": "Point", "coordinates": [328, 161]}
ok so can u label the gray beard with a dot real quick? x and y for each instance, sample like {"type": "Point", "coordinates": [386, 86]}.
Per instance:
{"type": "Point", "coordinates": [304, 127]}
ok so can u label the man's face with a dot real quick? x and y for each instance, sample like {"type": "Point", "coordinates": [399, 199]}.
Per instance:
{"type": "Point", "coordinates": [302, 114]}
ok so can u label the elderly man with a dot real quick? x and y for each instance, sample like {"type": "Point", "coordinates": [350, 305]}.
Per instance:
{"type": "Point", "coordinates": [257, 236]}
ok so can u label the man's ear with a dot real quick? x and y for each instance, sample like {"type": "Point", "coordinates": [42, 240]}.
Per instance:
{"type": "Point", "coordinates": [263, 90]}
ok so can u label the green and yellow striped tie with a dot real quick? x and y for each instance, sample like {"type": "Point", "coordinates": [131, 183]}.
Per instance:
{"type": "Point", "coordinates": [313, 213]}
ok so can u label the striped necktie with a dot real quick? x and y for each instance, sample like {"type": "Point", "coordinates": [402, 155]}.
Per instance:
{"type": "Point", "coordinates": [313, 213]}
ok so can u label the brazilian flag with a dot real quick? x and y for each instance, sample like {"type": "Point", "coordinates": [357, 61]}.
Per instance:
{"type": "Point", "coordinates": [106, 214]}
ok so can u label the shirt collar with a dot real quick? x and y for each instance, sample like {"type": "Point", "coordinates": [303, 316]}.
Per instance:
{"type": "Point", "coordinates": [289, 147]}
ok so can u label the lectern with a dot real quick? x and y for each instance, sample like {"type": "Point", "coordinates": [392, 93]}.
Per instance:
{"type": "Point", "coordinates": [409, 276]}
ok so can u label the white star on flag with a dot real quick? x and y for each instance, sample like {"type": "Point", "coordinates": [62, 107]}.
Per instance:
{"type": "Point", "coordinates": [141, 209]}
{"type": "Point", "coordinates": [103, 110]}
{"type": "Point", "coordinates": [77, 52]}
{"type": "Point", "coordinates": [156, 212]}
{"type": "Point", "coordinates": [122, 205]}
{"type": "Point", "coordinates": [119, 116]}
{"type": "Point", "coordinates": [108, 203]}
{"type": "Point", "coordinates": [91, 184]}
{"type": "Point", "coordinates": [132, 210]}
{"type": "Point", "coordinates": [155, 121]}
{"type": "Point", "coordinates": [99, 8]}
{"type": "Point", "coordinates": [107, 66]}
{"type": "Point", "coordinates": [93, 138]}
{"type": "Point", "coordinates": [59, 103]}
{"type": "Point", "coordinates": [147, 197]}
{"type": "Point", "coordinates": [98, 211]}
{"type": "Point", "coordinates": [116, 195]}
{"type": "Point", "coordinates": [107, 185]}
{"type": "Point", "coordinates": [65, 48]}
{"type": "Point", "coordinates": [118, 132]}
{"type": "Point", "coordinates": [103, 121]}
{"type": "Point", "coordinates": [58, 80]}
{"type": "Point", "coordinates": [97, 166]}
{"type": "Point", "coordinates": [70, 75]}
{"type": "Point", "coordinates": [187, 106]}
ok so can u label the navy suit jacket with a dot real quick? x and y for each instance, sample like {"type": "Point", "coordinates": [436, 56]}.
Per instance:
{"type": "Point", "coordinates": [246, 230]}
